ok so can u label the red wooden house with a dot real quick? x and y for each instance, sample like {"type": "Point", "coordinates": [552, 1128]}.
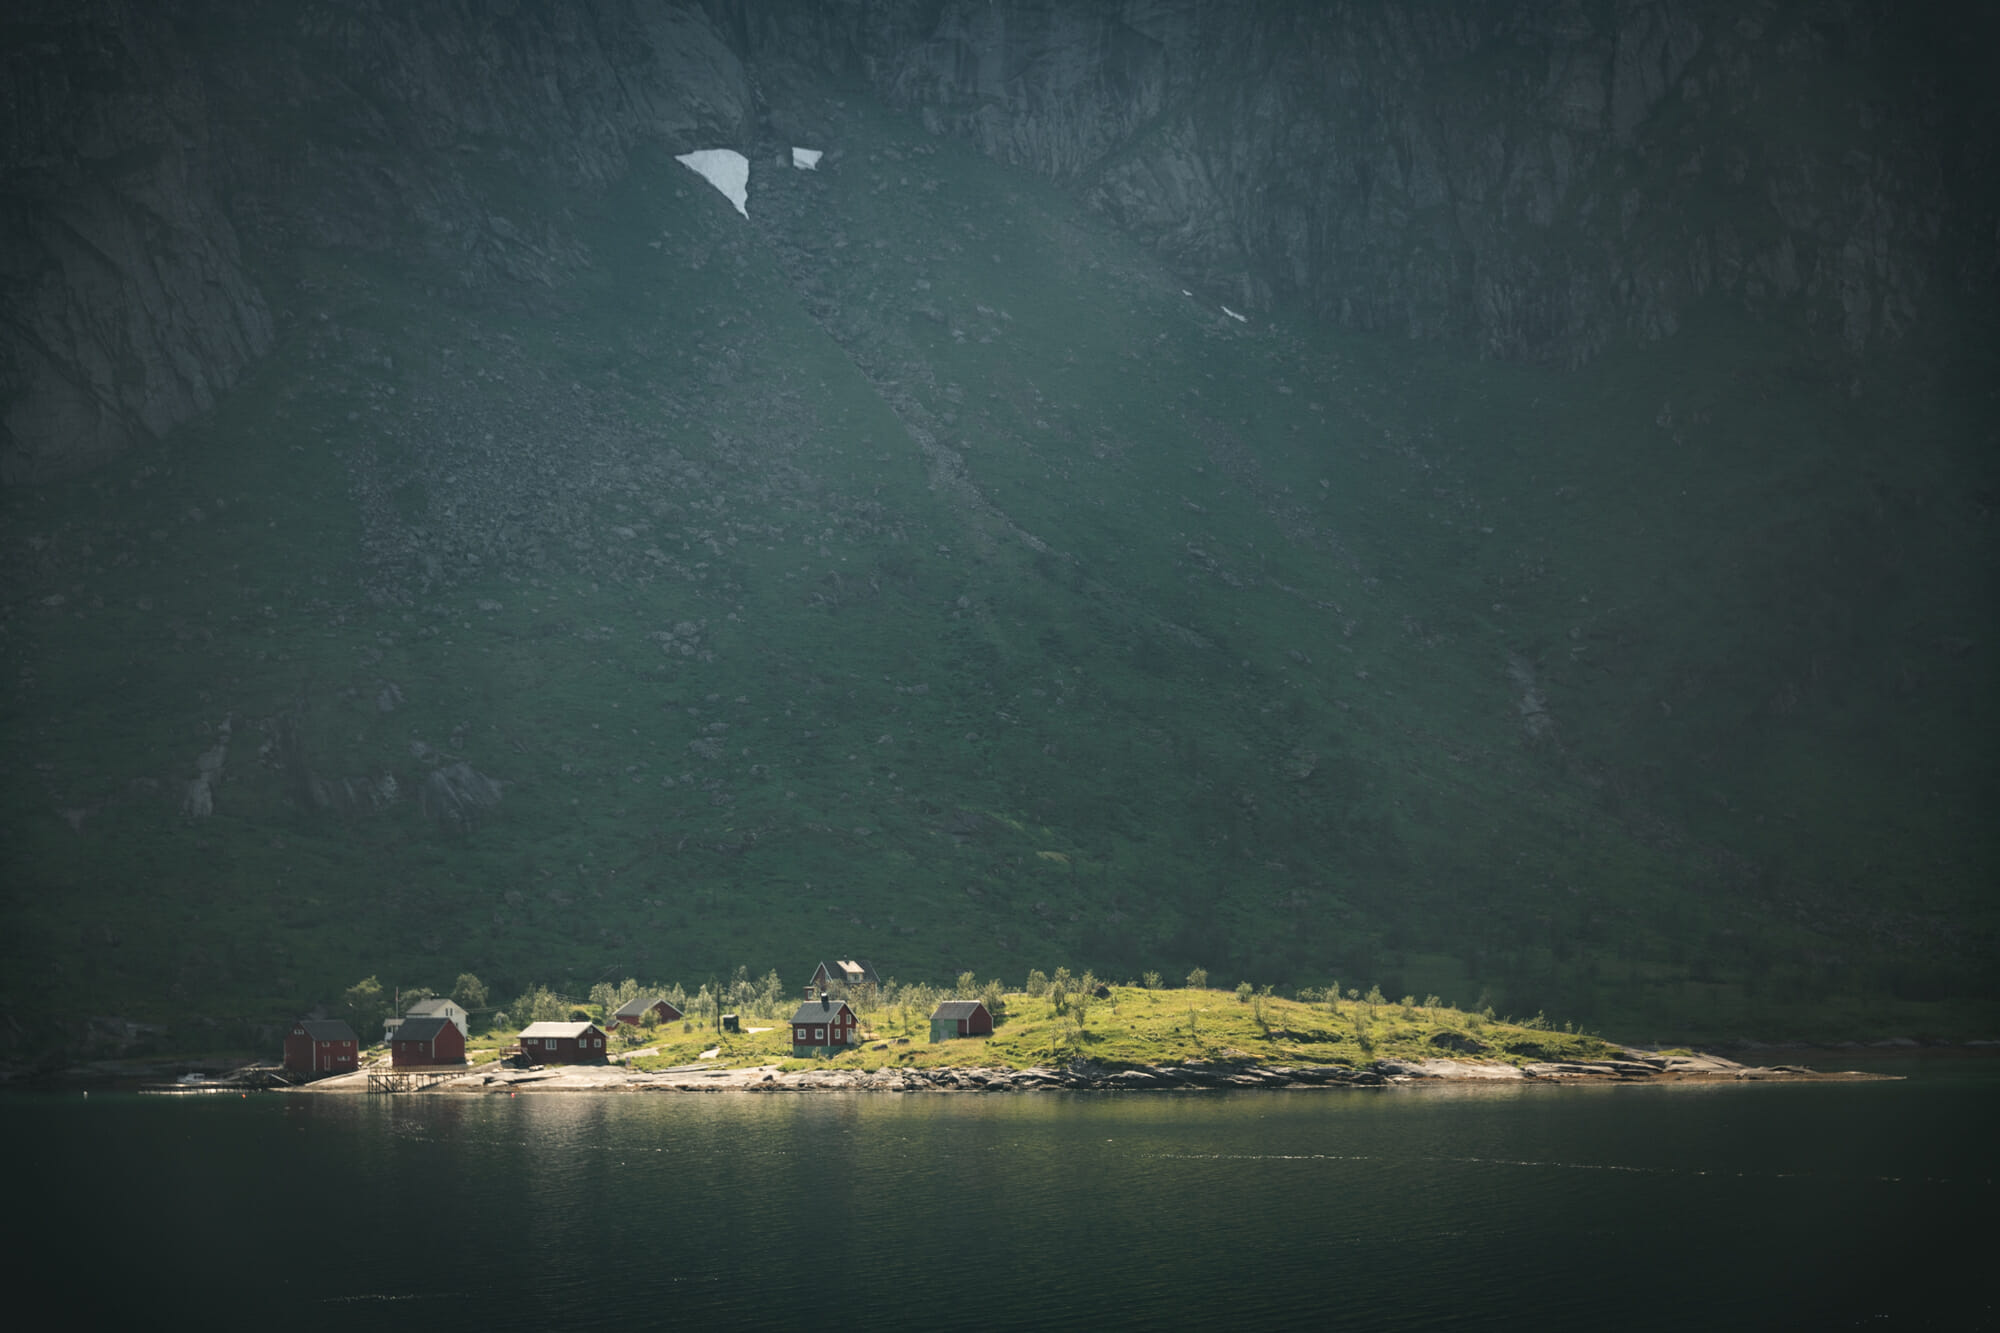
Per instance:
{"type": "Point", "coordinates": [563, 1043]}
{"type": "Point", "coordinates": [822, 1025]}
{"type": "Point", "coordinates": [427, 1041]}
{"type": "Point", "coordinates": [634, 1012]}
{"type": "Point", "coordinates": [960, 1018]}
{"type": "Point", "coordinates": [321, 1045]}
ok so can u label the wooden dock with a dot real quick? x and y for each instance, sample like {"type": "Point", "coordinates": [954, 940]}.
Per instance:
{"type": "Point", "coordinates": [414, 1079]}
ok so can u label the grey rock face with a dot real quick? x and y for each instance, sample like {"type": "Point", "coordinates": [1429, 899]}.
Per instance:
{"type": "Point", "coordinates": [124, 308]}
{"type": "Point", "coordinates": [146, 144]}
{"type": "Point", "coordinates": [458, 795]}
{"type": "Point", "coordinates": [1536, 179]}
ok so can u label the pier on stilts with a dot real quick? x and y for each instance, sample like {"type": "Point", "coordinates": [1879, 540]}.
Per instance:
{"type": "Point", "coordinates": [415, 1079]}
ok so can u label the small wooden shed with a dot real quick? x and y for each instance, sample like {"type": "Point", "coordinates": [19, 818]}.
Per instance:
{"type": "Point", "coordinates": [961, 1018]}
{"type": "Point", "coordinates": [321, 1046]}
{"type": "Point", "coordinates": [563, 1043]}
{"type": "Point", "coordinates": [427, 1041]}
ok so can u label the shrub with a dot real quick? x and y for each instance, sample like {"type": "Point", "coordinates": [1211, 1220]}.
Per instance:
{"type": "Point", "coordinates": [1150, 980]}
{"type": "Point", "coordinates": [1198, 979]}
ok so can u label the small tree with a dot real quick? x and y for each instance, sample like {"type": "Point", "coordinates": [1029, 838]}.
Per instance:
{"type": "Point", "coordinates": [1244, 990]}
{"type": "Point", "coordinates": [470, 993]}
{"type": "Point", "coordinates": [967, 987]}
{"type": "Point", "coordinates": [1038, 983]}
{"type": "Point", "coordinates": [367, 1005]}
{"type": "Point", "coordinates": [1198, 979]}
{"type": "Point", "coordinates": [1150, 980]}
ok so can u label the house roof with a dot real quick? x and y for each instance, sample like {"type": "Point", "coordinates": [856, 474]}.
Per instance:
{"type": "Point", "coordinates": [556, 1029]}
{"type": "Point", "coordinates": [635, 1008]}
{"type": "Point", "coordinates": [422, 1029]}
{"type": "Point", "coordinates": [953, 1010]}
{"type": "Point", "coordinates": [437, 1008]}
{"type": "Point", "coordinates": [820, 1011]}
{"type": "Point", "coordinates": [327, 1029]}
{"type": "Point", "coordinates": [852, 971]}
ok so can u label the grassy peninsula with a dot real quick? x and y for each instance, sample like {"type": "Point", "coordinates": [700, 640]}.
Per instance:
{"type": "Point", "coordinates": [1134, 1026]}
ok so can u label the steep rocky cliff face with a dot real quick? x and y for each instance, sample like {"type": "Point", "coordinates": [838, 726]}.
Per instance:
{"type": "Point", "coordinates": [1534, 179]}
{"type": "Point", "coordinates": [146, 144]}
{"type": "Point", "coordinates": [124, 308]}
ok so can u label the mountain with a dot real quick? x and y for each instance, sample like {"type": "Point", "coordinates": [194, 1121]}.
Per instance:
{"type": "Point", "coordinates": [1484, 500]}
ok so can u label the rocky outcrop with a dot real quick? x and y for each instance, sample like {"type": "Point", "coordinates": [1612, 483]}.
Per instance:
{"type": "Point", "coordinates": [458, 795]}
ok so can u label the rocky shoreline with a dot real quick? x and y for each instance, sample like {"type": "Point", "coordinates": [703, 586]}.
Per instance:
{"type": "Point", "coordinates": [1636, 1066]}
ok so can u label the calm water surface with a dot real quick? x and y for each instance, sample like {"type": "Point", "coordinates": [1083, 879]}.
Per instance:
{"type": "Point", "coordinates": [1775, 1206]}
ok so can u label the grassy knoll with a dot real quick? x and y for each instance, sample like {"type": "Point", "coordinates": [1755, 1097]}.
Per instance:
{"type": "Point", "coordinates": [1136, 1026]}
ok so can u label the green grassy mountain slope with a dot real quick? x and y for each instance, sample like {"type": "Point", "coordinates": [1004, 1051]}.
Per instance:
{"type": "Point", "coordinates": [916, 572]}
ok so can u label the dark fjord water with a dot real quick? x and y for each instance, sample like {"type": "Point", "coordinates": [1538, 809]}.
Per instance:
{"type": "Point", "coordinates": [1770, 1206]}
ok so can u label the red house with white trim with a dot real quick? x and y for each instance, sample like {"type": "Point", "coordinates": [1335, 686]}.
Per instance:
{"type": "Point", "coordinates": [562, 1043]}
{"type": "Point", "coordinates": [824, 1025]}
{"type": "Point", "coordinates": [321, 1046]}
{"type": "Point", "coordinates": [427, 1041]}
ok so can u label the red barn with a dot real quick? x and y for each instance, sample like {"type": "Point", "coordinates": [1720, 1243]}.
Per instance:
{"type": "Point", "coordinates": [427, 1041]}
{"type": "Point", "coordinates": [634, 1011]}
{"type": "Point", "coordinates": [960, 1018]}
{"type": "Point", "coordinates": [562, 1043]}
{"type": "Point", "coordinates": [321, 1045]}
{"type": "Point", "coordinates": [822, 1025]}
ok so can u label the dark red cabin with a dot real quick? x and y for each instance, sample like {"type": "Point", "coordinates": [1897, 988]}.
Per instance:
{"type": "Point", "coordinates": [427, 1041]}
{"type": "Point", "coordinates": [320, 1046]}
{"type": "Point", "coordinates": [960, 1018]}
{"type": "Point", "coordinates": [563, 1043]}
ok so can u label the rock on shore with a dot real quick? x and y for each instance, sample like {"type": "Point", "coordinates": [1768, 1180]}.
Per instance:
{"type": "Point", "coordinates": [1084, 1075]}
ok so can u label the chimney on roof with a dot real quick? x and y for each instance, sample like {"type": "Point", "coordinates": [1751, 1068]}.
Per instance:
{"type": "Point", "coordinates": [824, 1002]}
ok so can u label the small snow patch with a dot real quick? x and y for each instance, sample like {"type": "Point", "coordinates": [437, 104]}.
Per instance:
{"type": "Point", "coordinates": [1233, 315]}
{"type": "Point", "coordinates": [724, 168]}
{"type": "Point", "coordinates": [806, 159]}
